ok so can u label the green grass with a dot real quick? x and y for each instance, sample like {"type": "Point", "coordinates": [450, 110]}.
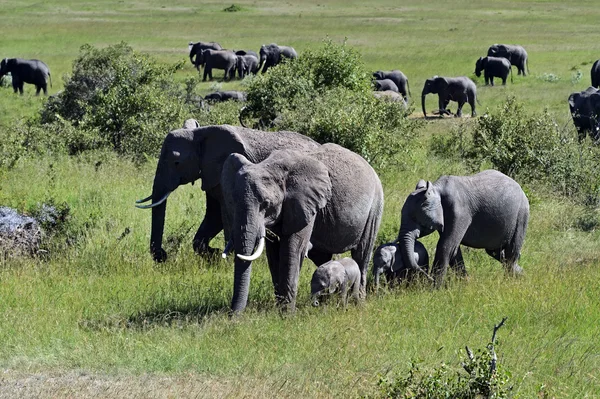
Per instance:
{"type": "Point", "coordinates": [102, 305]}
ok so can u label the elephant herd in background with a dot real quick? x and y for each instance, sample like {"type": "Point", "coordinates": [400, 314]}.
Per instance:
{"type": "Point", "coordinates": [288, 196]}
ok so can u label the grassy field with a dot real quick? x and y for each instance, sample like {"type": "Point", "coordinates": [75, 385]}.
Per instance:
{"type": "Point", "coordinates": [102, 320]}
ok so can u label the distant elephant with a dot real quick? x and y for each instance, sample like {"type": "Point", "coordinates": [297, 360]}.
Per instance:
{"type": "Point", "coordinates": [26, 71]}
{"type": "Point", "coordinates": [595, 72]}
{"type": "Point", "coordinates": [342, 275]}
{"type": "Point", "coordinates": [398, 78]}
{"type": "Point", "coordinates": [221, 96]}
{"type": "Point", "coordinates": [585, 110]}
{"type": "Point", "coordinates": [390, 96]}
{"type": "Point", "coordinates": [217, 59]}
{"type": "Point", "coordinates": [493, 67]}
{"type": "Point", "coordinates": [196, 49]}
{"type": "Point", "coordinates": [515, 54]}
{"type": "Point", "coordinates": [487, 210]}
{"type": "Point", "coordinates": [271, 54]}
{"type": "Point", "coordinates": [461, 89]}
{"type": "Point", "coordinates": [190, 154]}
{"type": "Point", "coordinates": [246, 64]}
{"type": "Point", "coordinates": [385, 85]}
{"type": "Point", "coordinates": [387, 261]}
{"type": "Point", "coordinates": [330, 197]}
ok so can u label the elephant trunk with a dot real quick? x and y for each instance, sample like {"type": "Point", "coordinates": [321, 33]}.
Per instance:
{"type": "Point", "coordinates": [423, 103]}
{"type": "Point", "coordinates": [406, 240]}
{"type": "Point", "coordinates": [377, 275]}
{"type": "Point", "coordinates": [314, 300]}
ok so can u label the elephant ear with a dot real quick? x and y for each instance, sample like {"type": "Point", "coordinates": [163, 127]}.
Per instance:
{"type": "Point", "coordinates": [275, 53]}
{"type": "Point", "coordinates": [440, 82]}
{"type": "Point", "coordinates": [308, 189]}
{"type": "Point", "coordinates": [573, 99]}
{"type": "Point", "coordinates": [215, 144]}
{"type": "Point", "coordinates": [421, 184]}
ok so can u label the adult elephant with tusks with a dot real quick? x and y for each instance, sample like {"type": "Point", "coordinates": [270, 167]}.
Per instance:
{"type": "Point", "coordinates": [197, 48]}
{"type": "Point", "coordinates": [272, 54]}
{"type": "Point", "coordinates": [460, 89]}
{"type": "Point", "coordinates": [330, 197]}
{"type": "Point", "coordinates": [515, 54]}
{"type": "Point", "coordinates": [487, 210]}
{"type": "Point", "coordinates": [196, 153]}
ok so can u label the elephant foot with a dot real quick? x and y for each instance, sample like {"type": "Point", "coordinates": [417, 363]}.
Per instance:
{"type": "Point", "coordinates": [515, 270]}
{"type": "Point", "coordinates": [159, 255]}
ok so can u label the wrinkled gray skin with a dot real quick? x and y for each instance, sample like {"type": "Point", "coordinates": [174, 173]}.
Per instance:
{"type": "Point", "coordinates": [26, 71]}
{"type": "Point", "coordinates": [385, 85]}
{"type": "Point", "coordinates": [330, 197]}
{"type": "Point", "coordinates": [595, 74]}
{"type": "Point", "coordinates": [515, 54]}
{"type": "Point", "coordinates": [493, 67]}
{"type": "Point", "coordinates": [246, 65]}
{"type": "Point", "coordinates": [221, 96]}
{"type": "Point", "coordinates": [389, 95]}
{"type": "Point", "coordinates": [460, 89]}
{"type": "Point", "coordinates": [217, 59]}
{"type": "Point", "coordinates": [487, 210]}
{"type": "Point", "coordinates": [387, 261]}
{"type": "Point", "coordinates": [585, 110]}
{"type": "Point", "coordinates": [196, 49]}
{"type": "Point", "coordinates": [399, 79]}
{"type": "Point", "coordinates": [342, 275]}
{"type": "Point", "coordinates": [190, 154]}
{"type": "Point", "coordinates": [272, 54]}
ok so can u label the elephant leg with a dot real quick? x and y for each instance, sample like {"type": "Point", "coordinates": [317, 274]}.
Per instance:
{"type": "Point", "coordinates": [459, 110]}
{"type": "Point", "coordinates": [37, 90]}
{"type": "Point", "coordinates": [458, 264]}
{"type": "Point", "coordinates": [319, 257]}
{"type": "Point", "coordinates": [21, 88]}
{"type": "Point", "coordinates": [512, 252]}
{"type": "Point", "coordinates": [272, 249]}
{"type": "Point", "coordinates": [291, 256]}
{"type": "Point", "coordinates": [491, 81]}
{"type": "Point", "coordinates": [205, 74]}
{"type": "Point", "coordinates": [211, 225]}
{"type": "Point", "coordinates": [363, 251]}
{"type": "Point", "coordinates": [45, 88]}
{"type": "Point", "coordinates": [448, 246]}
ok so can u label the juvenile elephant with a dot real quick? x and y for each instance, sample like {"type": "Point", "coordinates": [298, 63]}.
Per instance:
{"type": "Point", "coordinates": [515, 54]}
{"type": "Point", "coordinates": [385, 85]}
{"type": "Point", "coordinates": [595, 72]}
{"type": "Point", "coordinates": [341, 276]}
{"type": "Point", "coordinates": [387, 261]}
{"type": "Point", "coordinates": [246, 64]}
{"type": "Point", "coordinates": [221, 96]}
{"type": "Point", "coordinates": [190, 154]}
{"type": "Point", "coordinates": [487, 210]}
{"type": "Point", "coordinates": [399, 79]}
{"type": "Point", "coordinates": [585, 110]}
{"type": "Point", "coordinates": [271, 55]}
{"type": "Point", "coordinates": [493, 67]}
{"type": "Point", "coordinates": [330, 197]}
{"type": "Point", "coordinates": [197, 48]}
{"type": "Point", "coordinates": [26, 71]}
{"type": "Point", "coordinates": [460, 89]}
{"type": "Point", "coordinates": [217, 59]}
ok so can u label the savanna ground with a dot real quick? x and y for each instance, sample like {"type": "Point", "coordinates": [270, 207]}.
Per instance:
{"type": "Point", "coordinates": [103, 320]}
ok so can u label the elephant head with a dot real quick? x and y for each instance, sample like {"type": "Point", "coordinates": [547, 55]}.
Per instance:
{"type": "Point", "coordinates": [326, 280]}
{"type": "Point", "coordinates": [270, 55]}
{"type": "Point", "coordinates": [6, 66]}
{"type": "Point", "coordinates": [378, 75]}
{"type": "Point", "coordinates": [283, 193]}
{"type": "Point", "coordinates": [187, 155]}
{"type": "Point", "coordinates": [422, 214]}
{"type": "Point", "coordinates": [435, 85]}
{"type": "Point", "coordinates": [241, 65]}
{"type": "Point", "coordinates": [480, 65]}
{"type": "Point", "coordinates": [585, 110]}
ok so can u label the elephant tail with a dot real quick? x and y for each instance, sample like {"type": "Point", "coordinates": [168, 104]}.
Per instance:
{"type": "Point", "coordinates": [50, 78]}
{"type": "Point", "coordinates": [511, 78]}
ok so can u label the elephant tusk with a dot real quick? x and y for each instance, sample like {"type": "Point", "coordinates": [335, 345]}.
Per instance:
{"type": "Point", "coordinates": [143, 200]}
{"type": "Point", "coordinates": [256, 254]}
{"type": "Point", "coordinates": [163, 199]}
{"type": "Point", "coordinates": [227, 249]}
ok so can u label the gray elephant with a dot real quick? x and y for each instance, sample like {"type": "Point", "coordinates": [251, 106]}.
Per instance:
{"type": "Point", "coordinates": [493, 67]}
{"type": "Point", "coordinates": [23, 71]}
{"type": "Point", "coordinates": [515, 54]}
{"type": "Point", "coordinates": [385, 85]}
{"type": "Point", "coordinates": [585, 110]}
{"type": "Point", "coordinates": [399, 79]}
{"type": "Point", "coordinates": [595, 74]}
{"type": "Point", "coordinates": [217, 59]}
{"type": "Point", "coordinates": [197, 48]}
{"type": "Point", "coordinates": [387, 261]}
{"type": "Point", "coordinates": [342, 275]}
{"type": "Point", "coordinates": [190, 154]}
{"type": "Point", "coordinates": [221, 96]}
{"type": "Point", "coordinates": [330, 197]}
{"type": "Point", "coordinates": [389, 95]}
{"type": "Point", "coordinates": [246, 64]}
{"type": "Point", "coordinates": [487, 210]}
{"type": "Point", "coordinates": [460, 89]}
{"type": "Point", "coordinates": [272, 54]}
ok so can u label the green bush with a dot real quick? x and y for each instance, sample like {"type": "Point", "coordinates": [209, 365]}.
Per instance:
{"type": "Point", "coordinates": [529, 148]}
{"type": "Point", "coordinates": [127, 99]}
{"type": "Point", "coordinates": [326, 94]}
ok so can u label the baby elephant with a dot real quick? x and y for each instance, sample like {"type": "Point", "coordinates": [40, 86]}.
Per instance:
{"type": "Point", "coordinates": [342, 275]}
{"type": "Point", "coordinates": [387, 261]}
{"type": "Point", "coordinates": [493, 67]}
